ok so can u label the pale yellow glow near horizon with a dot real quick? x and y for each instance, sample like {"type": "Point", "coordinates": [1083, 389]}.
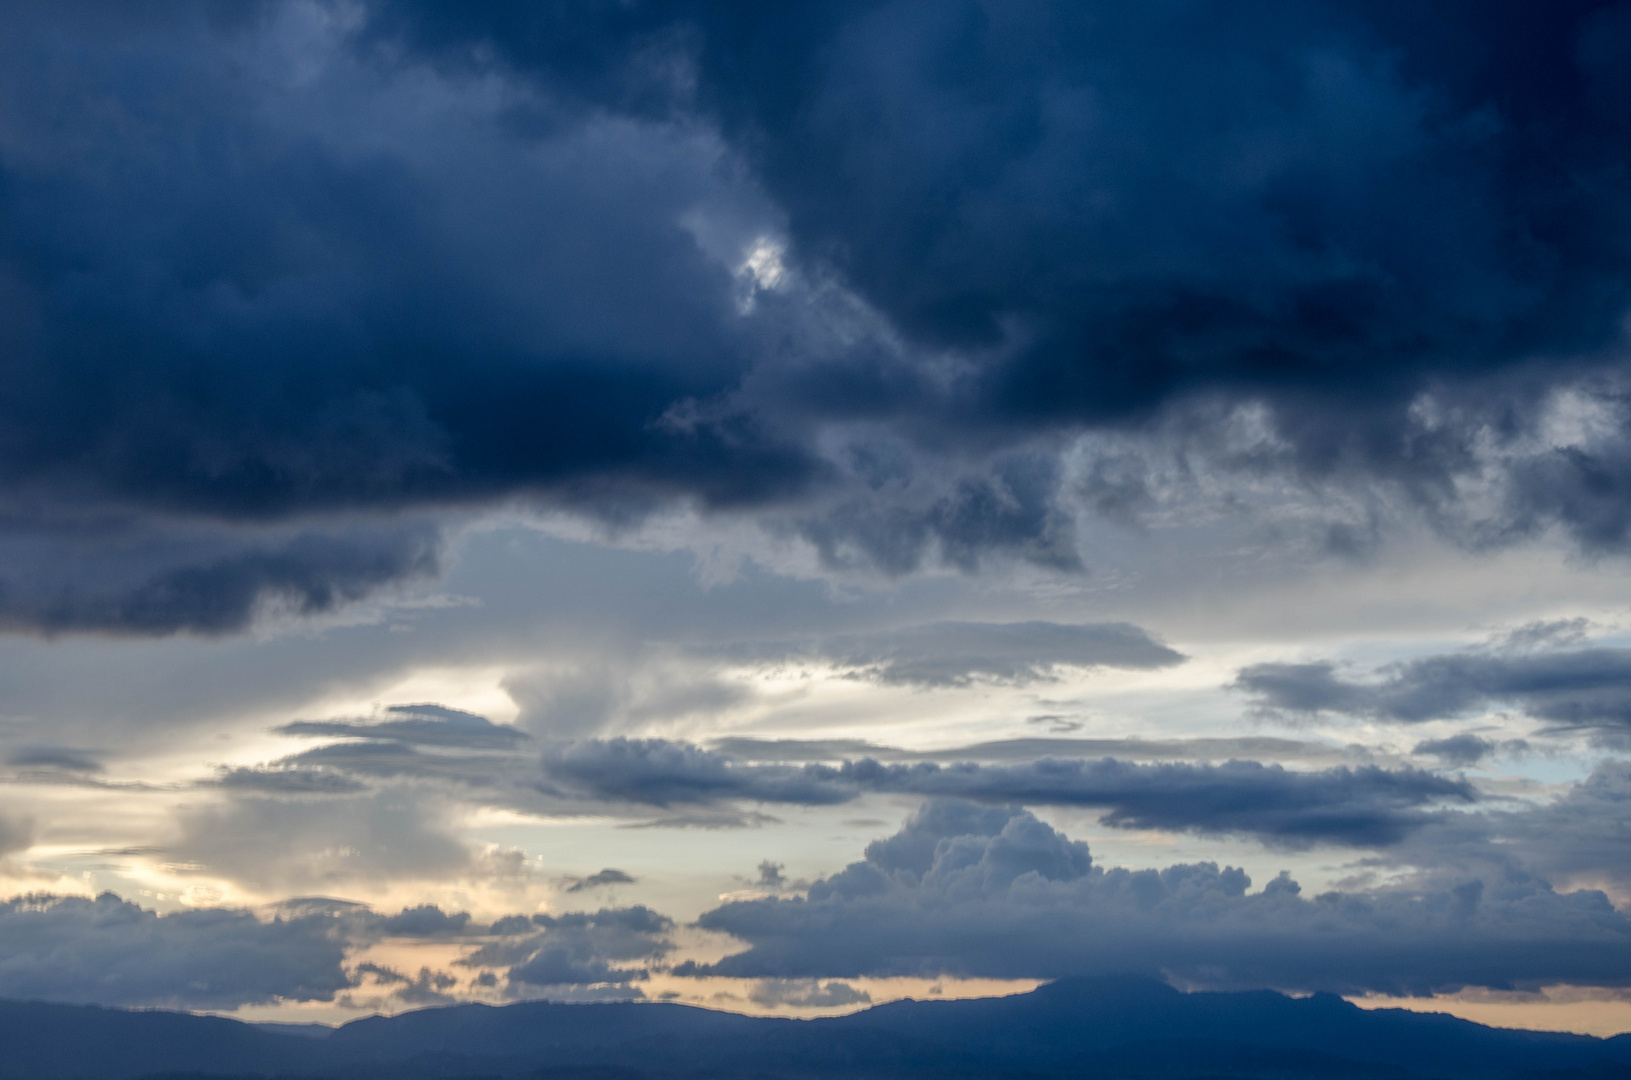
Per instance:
{"type": "Point", "coordinates": [1557, 1010]}
{"type": "Point", "coordinates": [1561, 1009]}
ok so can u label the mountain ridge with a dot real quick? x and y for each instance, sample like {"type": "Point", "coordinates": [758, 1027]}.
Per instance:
{"type": "Point", "coordinates": [1128, 1027]}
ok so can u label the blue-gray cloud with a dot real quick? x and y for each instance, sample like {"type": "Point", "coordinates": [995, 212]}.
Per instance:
{"type": "Point", "coordinates": [418, 725]}
{"type": "Point", "coordinates": [580, 948]}
{"type": "Point", "coordinates": [110, 952]}
{"type": "Point", "coordinates": [1362, 806]}
{"type": "Point", "coordinates": [971, 890]}
{"type": "Point", "coordinates": [1457, 749]}
{"type": "Point", "coordinates": [1574, 688]}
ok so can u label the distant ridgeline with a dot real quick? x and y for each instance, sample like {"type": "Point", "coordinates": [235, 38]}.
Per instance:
{"type": "Point", "coordinates": [1076, 1028]}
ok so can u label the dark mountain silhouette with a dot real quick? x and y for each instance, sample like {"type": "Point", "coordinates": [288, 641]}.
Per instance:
{"type": "Point", "coordinates": [1113, 1028]}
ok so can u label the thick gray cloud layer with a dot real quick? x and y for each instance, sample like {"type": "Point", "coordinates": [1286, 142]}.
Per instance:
{"type": "Point", "coordinates": [110, 952]}
{"type": "Point", "coordinates": [1364, 806]}
{"type": "Point", "coordinates": [1576, 688]}
{"type": "Point", "coordinates": [987, 891]}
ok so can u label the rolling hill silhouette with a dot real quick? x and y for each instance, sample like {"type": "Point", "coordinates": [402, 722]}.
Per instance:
{"type": "Point", "coordinates": [1074, 1028]}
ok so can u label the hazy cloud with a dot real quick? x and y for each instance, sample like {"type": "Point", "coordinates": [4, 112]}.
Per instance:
{"type": "Point", "coordinates": [417, 725]}
{"type": "Point", "coordinates": [305, 843]}
{"type": "Point", "coordinates": [951, 654]}
{"type": "Point", "coordinates": [54, 757]}
{"type": "Point", "coordinates": [16, 834]}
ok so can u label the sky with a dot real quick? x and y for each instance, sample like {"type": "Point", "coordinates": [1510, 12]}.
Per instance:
{"type": "Point", "coordinates": [788, 507]}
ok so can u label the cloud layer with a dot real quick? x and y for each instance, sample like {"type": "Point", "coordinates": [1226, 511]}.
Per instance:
{"type": "Point", "coordinates": [1363, 806]}
{"type": "Point", "coordinates": [1573, 688]}
{"type": "Point", "coordinates": [985, 891]}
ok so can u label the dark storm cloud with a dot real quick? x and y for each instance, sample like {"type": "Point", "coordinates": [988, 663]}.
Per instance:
{"type": "Point", "coordinates": [1578, 688]}
{"type": "Point", "coordinates": [957, 653]}
{"type": "Point", "coordinates": [110, 952]}
{"type": "Point", "coordinates": [1320, 194]}
{"type": "Point", "coordinates": [1362, 806]}
{"type": "Point", "coordinates": [970, 890]}
{"type": "Point", "coordinates": [280, 286]}
{"type": "Point", "coordinates": [418, 725]}
{"type": "Point", "coordinates": [277, 270]}
{"type": "Point", "coordinates": [1334, 206]}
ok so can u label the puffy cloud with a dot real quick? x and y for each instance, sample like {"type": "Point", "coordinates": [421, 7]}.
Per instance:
{"type": "Point", "coordinates": [1569, 688]}
{"type": "Point", "coordinates": [1364, 806]}
{"type": "Point", "coordinates": [424, 921]}
{"type": "Point", "coordinates": [971, 890]}
{"type": "Point", "coordinates": [110, 952]}
{"type": "Point", "coordinates": [580, 949]}
{"type": "Point", "coordinates": [806, 993]}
